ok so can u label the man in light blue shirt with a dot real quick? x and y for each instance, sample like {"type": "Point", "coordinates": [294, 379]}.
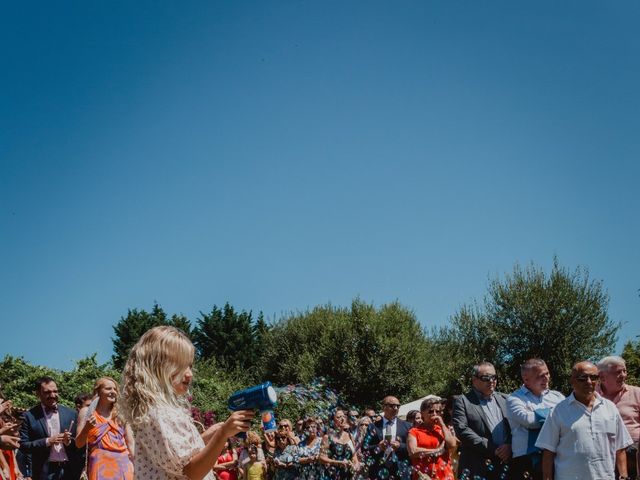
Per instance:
{"type": "Point", "coordinates": [527, 409]}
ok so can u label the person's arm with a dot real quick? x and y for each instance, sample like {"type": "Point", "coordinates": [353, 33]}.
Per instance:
{"type": "Point", "coordinates": [84, 425]}
{"type": "Point", "coordinates": [26, 444]}
{"type": "Point", "coordinates": [203, 461]}
{"type": "Point", "coordinates": [130, 441]}
{"type": "Point", "coordinates": [468, 437]}
{"type": "Point", "coordinates": [621, 462]}
{"type": "Point", "coordinates": [519, 414]}
{"type": "Point", "coordinates": [548, 457]}
{"type": "Point", "coordinates": [416, 452]}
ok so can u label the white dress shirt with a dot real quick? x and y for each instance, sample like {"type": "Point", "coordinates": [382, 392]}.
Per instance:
{"type": "Point", "coordinates": [585, 442]}
{"type": "Point", "coordinates": [57, 452]}
{"type": "Point", "coordinates": [521, 413]}
{"type": "Point", "coordinates": [389, 426]}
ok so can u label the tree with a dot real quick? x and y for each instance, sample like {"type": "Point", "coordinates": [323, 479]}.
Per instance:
{"type": "Point", "coordinates": [130, 328]}
{"type": "Point", "coordinates": [227, 336]}
{"type": "Point", "coordinates": [561, 318]}
{"type": "Point", "coordinates": [364, 352]}
{"type": "Point", "coordinates": [18, 379]}
{"type": "Point", "coordinates": [631, 355]}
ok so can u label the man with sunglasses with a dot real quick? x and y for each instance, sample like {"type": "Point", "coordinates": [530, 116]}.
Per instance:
{"type": "Point", "coordinates": [479, 419]}
{"type": "Point", "coordinates": [386, 443]}
{"type": "Point", "coordinates": [527, 409]}
{"type": "Point", "coordinates": [584, 436]}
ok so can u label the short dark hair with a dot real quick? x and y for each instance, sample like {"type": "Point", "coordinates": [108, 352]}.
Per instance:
{"type": "Point", "coordinates": [476, 368]}
{"type": "Point", "coordinates": [42, 380]}
{"type": "Point", "coordinates": [411, 416]}
{"type": "Point", "coordinates": [81, 398]}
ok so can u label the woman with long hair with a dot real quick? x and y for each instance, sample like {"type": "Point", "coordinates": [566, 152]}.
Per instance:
{"type": "Point", "coordinates": [156, 379]}
{"type": "Point", "coordinates": [429, 442]}
{"type": "Point", "coordinates": [109, 440]}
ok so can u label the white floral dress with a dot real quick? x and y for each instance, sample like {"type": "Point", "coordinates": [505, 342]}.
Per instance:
{"type": "Point", "coordinates": [166, 439]}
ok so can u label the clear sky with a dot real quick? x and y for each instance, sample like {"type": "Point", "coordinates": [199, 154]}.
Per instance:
{"type": "Point", "coordinates": [284, 154]}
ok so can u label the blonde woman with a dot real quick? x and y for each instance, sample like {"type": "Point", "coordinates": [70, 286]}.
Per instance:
{"type": "Point", "coordinates": [156, 379]}
{"type": "Point", "coordinates": [110, 442]}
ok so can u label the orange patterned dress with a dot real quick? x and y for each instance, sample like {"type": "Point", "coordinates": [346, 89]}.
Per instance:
{"type": "Point", "coordinates": [108, 453]}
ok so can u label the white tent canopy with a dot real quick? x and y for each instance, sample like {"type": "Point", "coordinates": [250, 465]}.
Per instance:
{"type": "Point", "coordinates": [415, 405]}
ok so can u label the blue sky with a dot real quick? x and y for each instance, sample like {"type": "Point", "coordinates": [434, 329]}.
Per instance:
{"type": "Point", "coordinates": [281, 155]}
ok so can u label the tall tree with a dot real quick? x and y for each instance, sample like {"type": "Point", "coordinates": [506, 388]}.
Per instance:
{"type": "Point", "coordinates": [631, 355]}
{"type": "Point", "coordinates": [130, 328]}
{"type": "Point", "coordinates": [226, 336]}
{"type": "Point", "coordinates": [560, 317]}
{"type": "Point", "coordinates": [364, 352]}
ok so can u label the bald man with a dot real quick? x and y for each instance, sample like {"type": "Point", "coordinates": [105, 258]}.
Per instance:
{"type": "Point", "coordinates": [584, 436]}
{"type": "Point", "coordinates": [386, 443]}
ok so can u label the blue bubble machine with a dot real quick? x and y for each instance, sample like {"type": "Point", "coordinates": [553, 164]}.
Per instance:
{"type": "Point", "coordinates": [262, 397]}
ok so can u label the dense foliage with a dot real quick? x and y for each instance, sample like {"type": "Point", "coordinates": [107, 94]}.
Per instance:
{"type": "Point", "coordinates": [363, 352]}
{"type": "Point", "coordinates": [561, 318]}
{"type": "Point", "coordinates": [631, 355]}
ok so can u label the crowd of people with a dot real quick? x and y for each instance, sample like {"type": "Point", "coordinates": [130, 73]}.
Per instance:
{"type": "Point", "coordinates": [145, 431]}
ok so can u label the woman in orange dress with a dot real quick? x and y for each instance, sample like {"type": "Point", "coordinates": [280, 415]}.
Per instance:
{"type": "Point", "coordinates": [428, 443]}
{"type": "Point", "coordinates": [110, 443]}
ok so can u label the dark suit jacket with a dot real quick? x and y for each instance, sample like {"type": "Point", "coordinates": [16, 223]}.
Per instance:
{"type": "Point", "coordinates": [33, 442]}
{"type": "Point", "coordinates": [472, 428]}
{"type": "Point", "coordinates": [400, 468]}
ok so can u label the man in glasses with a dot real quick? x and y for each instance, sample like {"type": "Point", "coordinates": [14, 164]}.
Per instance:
{"type": "Point", "coordinates": [386, 443]}
{"type": "Point", "coordinates": [527, 409]}
{"type": "Point", "coordinates": [584, 436]}
{"type": "Point", "coordinates": [479, 419]}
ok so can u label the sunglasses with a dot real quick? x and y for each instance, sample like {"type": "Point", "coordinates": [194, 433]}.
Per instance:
{"type": "Point", "coordinates": [487, 378]}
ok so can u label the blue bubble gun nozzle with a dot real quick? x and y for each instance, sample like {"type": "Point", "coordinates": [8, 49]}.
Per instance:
{"type": "Point", "coordinates": [262, 397]}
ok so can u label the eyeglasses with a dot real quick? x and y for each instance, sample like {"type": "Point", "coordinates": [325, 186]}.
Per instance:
{"type": "Point", "coordinates": [584, 378]}
{"type": "Point", "coordinates": [487, 378]}
{"type": "Point", "coordinates": [392, 405]}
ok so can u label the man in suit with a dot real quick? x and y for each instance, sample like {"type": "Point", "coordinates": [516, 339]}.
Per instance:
{"type": "Point", "coordinates": [480, 422]}
{"type": "Point", "coordinates": [46, 436]}
{"type": "Point", "coordinates": [386, 444]}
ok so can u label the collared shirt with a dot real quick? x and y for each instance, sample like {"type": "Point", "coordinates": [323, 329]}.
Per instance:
{"type": "Point", "coordinates": [389, 427]}
{"type": "Point", "coordinates": [585, 442]}
{"type": "Point", "coordinates": [57, 453]}
{"type": "Point", "coordinates": [495, 418]}
{"type": "Point", "coordinates": [526, 413]}
{"type": "Point", "coordinates": [628, 402]}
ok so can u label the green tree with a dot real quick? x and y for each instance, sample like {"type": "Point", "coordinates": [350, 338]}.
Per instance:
{"type": "Point", "coordinates": [227, 336]}
{"type": "Point", "coordinates": [18, 379]}
{"type": "Point", "coordinates": [364, 352]}
{"type": "Point", "coordinates": [130, 328]}
{"type": "Point", "coordinates": [560, 317]}
{"type": "Point", "coordinates": [631, 355]}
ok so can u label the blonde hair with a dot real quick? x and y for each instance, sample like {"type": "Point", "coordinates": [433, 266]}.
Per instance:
{"type": "Point", "coordinates": [160, 355]}
{"type": "Point", "coordinates": [101, 382]}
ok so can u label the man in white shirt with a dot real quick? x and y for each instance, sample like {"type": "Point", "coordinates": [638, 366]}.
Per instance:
{"type": "Point", "coordinates": [584, 437]}
{"type": "Point", "coordinates": [527, 409]}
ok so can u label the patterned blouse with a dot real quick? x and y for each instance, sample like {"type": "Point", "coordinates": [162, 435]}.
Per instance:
{"type": "Point", "coordinates": [166, 439]}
